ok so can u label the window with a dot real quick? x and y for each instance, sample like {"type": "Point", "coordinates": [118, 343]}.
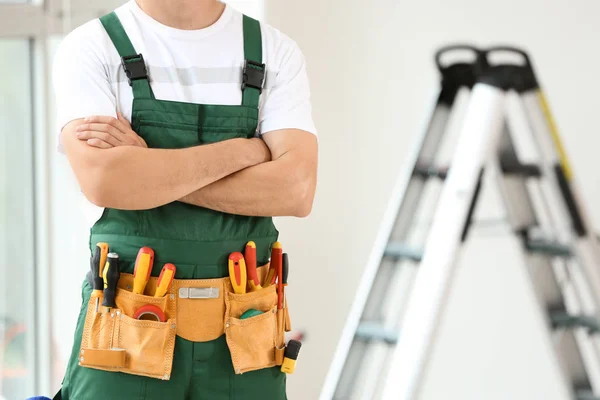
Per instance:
{"type": "Point", "coordinates": [17, 322]}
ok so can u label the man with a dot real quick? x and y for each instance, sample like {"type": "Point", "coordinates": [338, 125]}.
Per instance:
{"type": "Point", "coordinates": [188, 126]}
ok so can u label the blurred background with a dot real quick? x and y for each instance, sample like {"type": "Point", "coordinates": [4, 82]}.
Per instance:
{"type": "Point", "coordinates": [373, 81]}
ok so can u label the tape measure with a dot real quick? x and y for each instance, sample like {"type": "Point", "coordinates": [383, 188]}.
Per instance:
{"type": "Point", "coordinates": [250, 313]}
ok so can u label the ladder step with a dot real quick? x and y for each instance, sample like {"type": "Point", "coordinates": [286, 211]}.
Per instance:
{"type": "Point", "coordinates": [430, 172]}
{"type": "Point", "coordinates": [564, 320]}
{"type": "Point", "coordinates": [374, 331]}
{"type": "Point", "coordinates": [517, 168]}
{"type": "Point", "coordinates": [552, 249]}
{"type": "Point", "coordinates": [399, 250]}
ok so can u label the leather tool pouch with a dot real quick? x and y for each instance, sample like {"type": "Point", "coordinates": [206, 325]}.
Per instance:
{"type": "Point", "coordinates": [256, 342]}
{"type": "Point", "coordinates": [114, 341]}
{"type": "Point", "coordinates": [253, 341]}
{"type": "Point", "coordinates": [204, 309]}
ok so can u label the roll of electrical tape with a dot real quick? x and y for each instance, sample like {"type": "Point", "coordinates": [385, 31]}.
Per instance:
{"type": "Point", "coordinates": [150, 312]}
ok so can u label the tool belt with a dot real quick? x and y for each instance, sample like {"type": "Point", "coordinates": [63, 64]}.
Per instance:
{"type": "Point", "coordinates": [199, 310]}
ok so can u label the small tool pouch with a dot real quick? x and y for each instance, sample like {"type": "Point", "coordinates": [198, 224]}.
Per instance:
{"type": "Point", "coordinates": [257, 341]}
{"type": "Point", "coordinates": [114, 341]}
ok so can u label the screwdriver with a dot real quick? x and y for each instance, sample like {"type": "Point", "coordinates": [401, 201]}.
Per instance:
{"type": "Point", "coordinates": [165, 279]}
{"type": "Point", "coordinates": [142, 269]}
{"type": "Point", "coordinates": [97, 262]}
{"type": "Point", "coordinates": [275, 265]}
{"type": "Point", "coordinates": [111, 275]}
{"type": "Point", "coordinates": [237, 272]}
{"type": "Point", "coordinates": [250, 259]}
{"type": "Point", "coordinates": [286, 268]}
{"type": "Point", "coordinates": [271, 277]}
{"type": "Point", "coordinates": [103, 255]}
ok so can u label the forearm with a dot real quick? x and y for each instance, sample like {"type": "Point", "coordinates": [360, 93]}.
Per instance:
{"type": "Point", "coordinates": [276, 188]}
{"type": "Point", "coordinates": [135, 178]}
{"type": "Point", "coordinates": [139, 178]}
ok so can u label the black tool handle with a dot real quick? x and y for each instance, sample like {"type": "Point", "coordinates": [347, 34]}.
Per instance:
{"type": "Point", "coordinates": [285, 268]}
{"type": "Point", "coordinates": [292, 349]}
{"type": "Point", "coordinates": [112, 272]}
{"type": "Point", "coordinates": [98, 282]}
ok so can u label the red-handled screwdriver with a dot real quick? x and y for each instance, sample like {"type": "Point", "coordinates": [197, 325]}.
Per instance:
{"type": "Point", "coordinates": [237, 272]}
{"type": "Point", "coordinates": [250, 258]}
{"type": "Point", "coordinates": [165, 279]}
{"type": "Point", "coordinates": [277, 265]}
{"type": "Point", "coordinates": [142, 269]}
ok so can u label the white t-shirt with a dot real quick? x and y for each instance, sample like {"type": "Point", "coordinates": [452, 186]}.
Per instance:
{"type": "Point", "coordinates": [195, 66]}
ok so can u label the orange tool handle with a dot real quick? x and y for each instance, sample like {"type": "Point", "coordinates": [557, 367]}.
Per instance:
{"type": "Point", "coordinates": [167, 274]}
{"type": "Point", "coordinates": [277, 265]}
{"type": "Point", "coordinates": [271, 277]}
{"type": "Point", "coordinates": [142, 269]}
{"type": "Point", "coordinates": [237, 272]}
{"type": "Point", "coordinates": [273, 266]}
{"type": "Point", "coordinates": [97, 263]}
{"type": "Point", "coordinates": [250, 258]}
{"type": "Point", "coordinates": [103, 255]}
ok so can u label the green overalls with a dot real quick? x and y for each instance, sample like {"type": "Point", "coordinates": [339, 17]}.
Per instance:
{"type": "Point", "coordinates": [197, 240]}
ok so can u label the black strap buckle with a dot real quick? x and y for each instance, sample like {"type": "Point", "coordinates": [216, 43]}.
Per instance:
{"type": "Point", "coordinates": [253, 75]}
{"type": "Point", "coordinates": [135, 67]}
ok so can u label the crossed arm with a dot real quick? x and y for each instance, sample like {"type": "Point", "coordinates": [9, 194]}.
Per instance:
{"type": "Point", "coordinates": [254, 177]}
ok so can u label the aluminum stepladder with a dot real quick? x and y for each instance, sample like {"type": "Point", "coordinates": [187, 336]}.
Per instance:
{"type": "Point", "coordinates": [386, 343]}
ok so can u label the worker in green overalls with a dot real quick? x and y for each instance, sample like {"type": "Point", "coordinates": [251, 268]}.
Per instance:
{"type": "Point", "coordinates": [188, 127]}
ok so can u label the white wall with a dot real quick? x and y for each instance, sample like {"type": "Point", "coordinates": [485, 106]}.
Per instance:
{"type": "Point", "coordinates": [372, 76]}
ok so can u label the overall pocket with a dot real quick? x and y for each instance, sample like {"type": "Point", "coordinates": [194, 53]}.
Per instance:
{"type": "Point", "coordinates": [115, 341]}
{"type": "Point", "coordinates": [253, 340]}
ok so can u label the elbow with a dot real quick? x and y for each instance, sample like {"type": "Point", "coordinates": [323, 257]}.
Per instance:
{"type": "Point", "coordinates": [99, 188]}
{"type": "Point", "coordinates": [94, 189]}
{"type": "Point", "coordinates": [303, 209]}
{"type": "Point", "coordinates": [98, 199]}
{"type": "Point", "coordinates": [303, 198]}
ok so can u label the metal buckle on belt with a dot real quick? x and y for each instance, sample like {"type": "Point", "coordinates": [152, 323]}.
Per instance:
{"type": "Point", "coordinates": [199, 293]}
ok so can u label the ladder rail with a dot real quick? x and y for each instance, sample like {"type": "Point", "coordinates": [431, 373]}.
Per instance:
{"type": "Point", "coordinates": [455, 76]}
{"type": "Point", "coordinates": [583, 241]}
{"type": "Point", "coordinates": [373, 368]}
{"type": "Point", "coordinates": [368, 276]}
{"type": "Point", "coordinates": [481, 129]}
{"type": "Point", "coordinates": [542, 280]}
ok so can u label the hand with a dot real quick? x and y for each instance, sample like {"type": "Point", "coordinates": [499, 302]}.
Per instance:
{"type": "Point", "coordinates": [105, 132]}
{"type": "Point", "coordinates": [261, 150]}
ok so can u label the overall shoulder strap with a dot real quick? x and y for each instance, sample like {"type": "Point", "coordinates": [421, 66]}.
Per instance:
{"type": "Point", "coordinates": [133, 63]}
{"type": "Point", "coordinates": [253, 76]}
